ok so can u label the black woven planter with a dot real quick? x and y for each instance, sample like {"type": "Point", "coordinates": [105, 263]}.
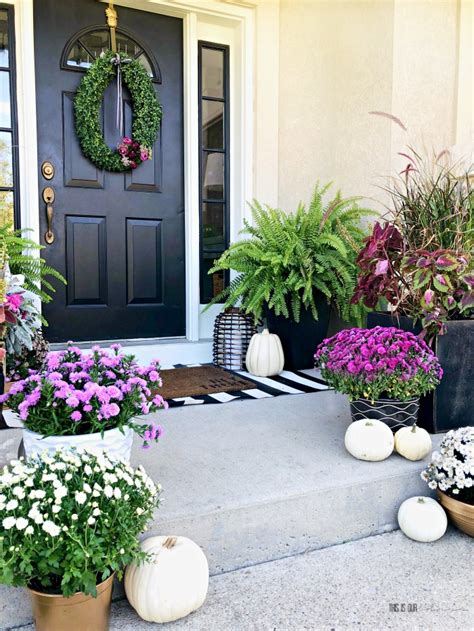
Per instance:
{"type": "Point", "coordinates": [394, 413]}
{"type": "Point", "coordinates": [300, 339]}
{"type": "Point", "coordinates": [452, 403]}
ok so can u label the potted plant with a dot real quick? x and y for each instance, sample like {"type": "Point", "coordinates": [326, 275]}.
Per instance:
{"type": "Point", "coordinates": [294, 267]}
{"type": "Point", "coordinates": [451, 472]}
{"type": "Point", "coordinates": [34, 358]}
{"type": "Point", "coordinates": [417, 272]}
{"type": "Point", "coordinates": [383, 370]}
{"type": "Point", "coordinates": [69, 522]}
{"type": "Point", "coordinates": [87, 401]}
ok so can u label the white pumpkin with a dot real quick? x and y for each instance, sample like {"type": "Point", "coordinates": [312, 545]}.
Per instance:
{"type": "Point", "coordinates": [173, 584]}
{"type": "Point", "coordinates": [422, 519]}
{"type": "Point", "coordinates": [413, 443]}
{"type": "Point", "coordinates": [369, 439]}
{"type": "Point", "coordinates": [265, 355]}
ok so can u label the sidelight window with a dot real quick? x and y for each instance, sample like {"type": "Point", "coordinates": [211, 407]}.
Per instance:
{"type": "Point", "coordinates": [214, 163]}
{"type": "Point", "coordinates": [9, 206]}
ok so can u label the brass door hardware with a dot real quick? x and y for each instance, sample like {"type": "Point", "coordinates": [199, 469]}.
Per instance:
{"type": "Point", "coordinates": [47, 170]}
{"type": "Point", "coordinates": [48, 198]}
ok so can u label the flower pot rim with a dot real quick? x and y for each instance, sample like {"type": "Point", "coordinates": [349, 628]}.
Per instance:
{"type": "Point", "coordinates": [126, 429]}
{"type": "Point", "coordinates": [410, 400]}
{"type": "Point", "coordinates": [454, 499]}
{"type": "Point", "coordinates": [77, 595]}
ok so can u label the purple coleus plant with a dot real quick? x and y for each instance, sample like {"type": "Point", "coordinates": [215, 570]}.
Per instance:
{"type": "Point", "coordinates": [430, 286]}
{"type": "Point", "coordinates": [445, 285]}
{"type": "Point", "coordinates": [378, 262]}
{"type": "Point", "coordinates": [85, 393]}
{"type": "Point", "coordinates": [383, 362]}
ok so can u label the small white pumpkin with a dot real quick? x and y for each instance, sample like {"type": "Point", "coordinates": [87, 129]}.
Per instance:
{"type": "Point", "coordinates": [171, 586]}
{"type": "Point", "coordinates": [413, 443]}
{"type": "Point", "coordinates": [265, 355]}
{"type": "Point", "coordinates": [422, 519]}
{"type": "Point", "coordinates": [369, 439]}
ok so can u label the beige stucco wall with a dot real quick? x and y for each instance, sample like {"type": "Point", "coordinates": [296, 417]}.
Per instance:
{"type": "Point", "coordinates": [339, 60]}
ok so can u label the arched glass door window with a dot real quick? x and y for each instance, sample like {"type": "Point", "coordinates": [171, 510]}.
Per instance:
{"type": "Point", "coordinates": [87, 45]}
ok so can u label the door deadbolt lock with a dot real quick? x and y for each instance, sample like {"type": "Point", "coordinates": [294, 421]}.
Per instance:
{"type": "Point", "coordinates": [47, 170]}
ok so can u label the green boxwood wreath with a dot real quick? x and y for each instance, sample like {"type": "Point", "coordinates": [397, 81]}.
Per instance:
{"type": "Point", "coordinates": [87, 104]}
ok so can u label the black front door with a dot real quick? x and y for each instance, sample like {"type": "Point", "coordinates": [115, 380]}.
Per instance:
{"type": "Point", "coordinates": [119, 238]}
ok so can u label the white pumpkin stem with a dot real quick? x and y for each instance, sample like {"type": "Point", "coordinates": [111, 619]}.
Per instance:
{"type": "Point", "coordinates": [413, 429]}
{"type": "Point", "coordinates": [265, 332]}
{"type": "Point", "coordinates": [170, 543]}
{"type": "Point", "coordinates": [421, 500]}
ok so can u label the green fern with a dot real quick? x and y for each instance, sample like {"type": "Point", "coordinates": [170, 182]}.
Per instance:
{"type": "Point", "coordinates": [37, 273]}
{"type": "Point", "coordinates": [289, 259]}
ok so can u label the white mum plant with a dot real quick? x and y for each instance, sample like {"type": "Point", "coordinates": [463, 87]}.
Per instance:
{"type": "Point", "coordinates": [69, 520]}
{"type": "Point", "coordinates": [452, 467]}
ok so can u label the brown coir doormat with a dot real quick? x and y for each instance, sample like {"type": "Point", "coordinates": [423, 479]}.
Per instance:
{"type": "Point", "coordinates": [188, 382]}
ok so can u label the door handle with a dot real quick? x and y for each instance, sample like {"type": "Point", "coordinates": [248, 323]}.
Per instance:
{"type": "Point", "coordinates": [48, 198]}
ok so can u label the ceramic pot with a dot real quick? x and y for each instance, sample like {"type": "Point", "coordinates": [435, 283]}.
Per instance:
{"type": "Point", "coordinates": [394, 413]}
{"type": "Point", "coordinates": [460, 513]}
{"type": "Point", "coordinates": [80, 611]}
{"type": "Point", "coordinates": [116, 444]}
{"type": "Point", "coordinates": [451, 403]}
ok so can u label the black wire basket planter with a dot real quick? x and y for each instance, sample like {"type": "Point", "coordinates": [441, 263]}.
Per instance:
{"type": "Point", "coordinates": [233, 331]}
{"type": "Point", "coordinates": [393, 412]}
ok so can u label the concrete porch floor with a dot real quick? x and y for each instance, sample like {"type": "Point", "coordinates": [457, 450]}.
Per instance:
{"type": "Point", "coordinates": [254, 482]}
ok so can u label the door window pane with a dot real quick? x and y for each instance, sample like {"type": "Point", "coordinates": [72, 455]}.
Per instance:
{"type": "Point", "coordinates": [213, 284]}
{"type": "Point", "coordinates": [86, 49]}
{"type": "Point", "coordinates": [213, 181]}
{"type": "Point", "coordinates": [4, 61]}
{"type": "Point", "coordinates": [212, 72]}
{"type": "Point", "coordinates": [213, 226]}
{"type": "Point", "coordinates": [212, 125]}
{"type": "Point", "coordinates": [7, 213]}
{"type": "Point", "coordinates": [6, 171]}
{"type": "Point", "coordinates": [5, 120]}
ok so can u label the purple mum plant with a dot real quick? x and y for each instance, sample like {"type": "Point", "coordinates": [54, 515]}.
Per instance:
{"type": "Point", "coordinates": [82, 393]}
{"type": "Point", "coordinates": [383, 362]}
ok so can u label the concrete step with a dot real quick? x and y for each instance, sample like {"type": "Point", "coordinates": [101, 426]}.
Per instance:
{"type": "Point", "coordinates": [257, 481]}
{"type": "Point", "coordinates": [378, 583]}
{"type": "Point", "coordinates": [168, 350]}
{"type": "Point", "coordinates": [253, 481]}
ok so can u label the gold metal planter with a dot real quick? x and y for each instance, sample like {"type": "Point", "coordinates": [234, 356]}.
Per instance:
{"type": "Point", "coordinates": [79, 612]}
{"type": "Point", "coordinates": [461, 514]}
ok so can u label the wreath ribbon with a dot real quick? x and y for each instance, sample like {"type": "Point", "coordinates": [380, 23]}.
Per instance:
{"type": "Point", "coordinates": [117, 61]}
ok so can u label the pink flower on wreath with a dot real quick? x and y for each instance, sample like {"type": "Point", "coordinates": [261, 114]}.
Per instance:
{"type": "Point", "coordinates": [127, 140]}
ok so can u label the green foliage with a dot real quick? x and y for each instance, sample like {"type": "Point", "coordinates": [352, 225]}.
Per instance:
{"type": "Point", "coordinates": [288, 258]}
{"type": "Point", "coordinates": [70, 520]}
{"type": "Point", "coordinates": [433, 205]}
{"type": "Point", "coordinates": [19, 250]}
{"type": "Point", "coordinates": [88, 102]}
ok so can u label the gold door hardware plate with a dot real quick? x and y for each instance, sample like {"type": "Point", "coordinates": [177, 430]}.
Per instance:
{"type": "Point", "coordinates": [47, 170]}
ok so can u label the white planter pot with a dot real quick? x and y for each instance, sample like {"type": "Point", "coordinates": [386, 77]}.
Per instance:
{"type": "Point", "coordinates": [116, 445]}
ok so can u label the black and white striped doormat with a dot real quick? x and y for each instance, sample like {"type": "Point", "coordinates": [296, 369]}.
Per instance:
{"type": "Point", "coordinates": [287, 382]}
